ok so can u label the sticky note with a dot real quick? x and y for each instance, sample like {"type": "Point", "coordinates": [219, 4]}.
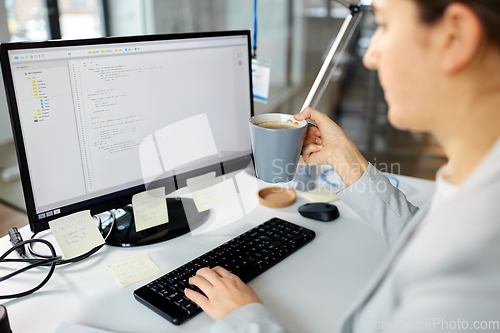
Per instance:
{"type": "Point", "coordinates": [206, 193]}
{"type": "Point", "coordinates": [320, 195]}
{"type": "Point", "coordinates": [76, 233]}
{"type": "Point", "coordinates": [33, 81]}
{"type": "Point", "coordinates": [29, 78]}
{"type": "Point", "coordinates": [230, 211]}
{"type": "Point", "coordinates": [201, 182]}
{"type": "Point", "coordinates": [150, 209]}
{"type": "Point", "coordinates": [208, 198]}
{"type": "Point", "coordinates": [134, 269]}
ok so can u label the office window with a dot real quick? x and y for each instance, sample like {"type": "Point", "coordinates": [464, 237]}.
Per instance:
{"type": "Point", "coordinates": [280, 31]}
{"type": "Point", "coordinates": [27, 20]}
{"type": "Point", "coordinates": [80, 18]}
{"type": "Point", "coordinates": [317, 8]}
{"type": "Point", "coordinates": [69, 19]}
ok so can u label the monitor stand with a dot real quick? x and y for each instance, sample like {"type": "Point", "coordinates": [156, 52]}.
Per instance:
{"type": "Point", "coordinates": [180, 211]}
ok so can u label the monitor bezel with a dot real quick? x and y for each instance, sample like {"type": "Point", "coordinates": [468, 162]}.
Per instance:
{"type": "Point", "coordinates": [119, 198]}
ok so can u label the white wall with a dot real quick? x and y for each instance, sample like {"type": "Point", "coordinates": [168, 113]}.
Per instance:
{"type": "Point", "coordinates": [5, 129]}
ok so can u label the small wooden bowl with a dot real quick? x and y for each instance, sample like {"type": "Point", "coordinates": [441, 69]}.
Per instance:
{"type": "Point", "coordinates": [277, 197]}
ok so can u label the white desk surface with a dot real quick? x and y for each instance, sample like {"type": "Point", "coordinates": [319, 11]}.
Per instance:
{"type": "Point", "coordinates": [308, 292]}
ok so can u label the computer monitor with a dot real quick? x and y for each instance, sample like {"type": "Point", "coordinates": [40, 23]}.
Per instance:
{"type": "Point", "coordinates": [96, 121]}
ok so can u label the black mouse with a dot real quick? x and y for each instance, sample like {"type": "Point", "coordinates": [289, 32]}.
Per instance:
{"type": "Point", "coordinates": [319, 211]}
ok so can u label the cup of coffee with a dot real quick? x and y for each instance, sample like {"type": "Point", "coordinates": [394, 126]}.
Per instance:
{"type": "Point", "coordinates": [276, 142]}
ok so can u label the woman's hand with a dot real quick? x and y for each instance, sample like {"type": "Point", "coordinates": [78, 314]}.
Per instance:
{"type": "Point", "coordinates": [225, 292]}
{"type": "Point", "coordinates": [328, 144]}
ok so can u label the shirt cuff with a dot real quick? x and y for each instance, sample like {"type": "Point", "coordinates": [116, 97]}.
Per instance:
{"type": "Point", "coordinates": [370, 174]}
{"type": "Point", "coordinates": [250, 318]}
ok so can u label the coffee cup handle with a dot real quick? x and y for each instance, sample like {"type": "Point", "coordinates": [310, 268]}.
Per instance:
{"type": "Point", "coordinates": [311, 123]}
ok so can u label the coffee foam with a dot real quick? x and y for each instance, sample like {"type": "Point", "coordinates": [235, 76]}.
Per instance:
{"type": "Point", "coordinates": [290, 124]}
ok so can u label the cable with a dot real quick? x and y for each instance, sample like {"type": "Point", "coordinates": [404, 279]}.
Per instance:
{"type": "Point", "coordinates": [45, 260]}
{"type": "Point", "coordinates": [254, 54]}
{"type": "Point", "coordinates": [77, 258]}
{"type": "Point", "coordinates": [40, 262]}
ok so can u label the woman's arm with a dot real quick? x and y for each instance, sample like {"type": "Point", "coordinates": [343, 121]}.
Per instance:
{"type": "Point", "coordinates": [230, 302]}
{"type": "Point", "coordinates": [379, 203]}
{"type": "Point", "coordinates": [367, 190]}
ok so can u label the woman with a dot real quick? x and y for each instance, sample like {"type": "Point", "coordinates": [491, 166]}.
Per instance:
{"type": "Point", "coordinates": [439, 64]}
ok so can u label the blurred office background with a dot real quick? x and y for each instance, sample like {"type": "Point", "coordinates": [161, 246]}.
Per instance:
{"type": "Point", "coordinates": [294, 34]}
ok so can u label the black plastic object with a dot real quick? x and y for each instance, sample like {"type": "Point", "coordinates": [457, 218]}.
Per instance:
{"type": "Point", "coordinates": [4, 320]}
{"type": "Point", "coordinates": [247, 256]}
{"type": "Point", "coordinates": [320, 211]}
{"type": "Point", "coordinates": [182, 214]}
{"type": "Point", "coordinates": [16, 238]}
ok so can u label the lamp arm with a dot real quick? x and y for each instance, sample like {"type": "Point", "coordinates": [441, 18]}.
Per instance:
{"type": "Point", "coordinates": [354, 11]}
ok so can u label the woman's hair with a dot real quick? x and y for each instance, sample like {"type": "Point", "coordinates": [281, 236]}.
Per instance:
{"type": "Point", "coordinates": [488, 12]}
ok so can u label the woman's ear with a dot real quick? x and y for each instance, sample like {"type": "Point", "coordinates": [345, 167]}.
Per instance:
{"type": "Point", "coordinates": [461, 37]}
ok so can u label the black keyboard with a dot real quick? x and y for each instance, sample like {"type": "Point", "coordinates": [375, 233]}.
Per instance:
{"type": "Point", "coordinates": [247, 256]}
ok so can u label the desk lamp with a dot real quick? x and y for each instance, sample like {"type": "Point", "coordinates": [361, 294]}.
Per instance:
{"type": "Point", "coordinates": [336, 51]}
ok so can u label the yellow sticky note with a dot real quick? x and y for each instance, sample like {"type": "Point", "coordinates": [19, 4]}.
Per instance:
{"type": "Point", "coordinates": [208, 198]}
{"type": "Point", "coordinates": [206, 193]}
{"type": "Point", "coordinates": [116, 50]}
{"type": "Point", "coordinates": [36, 95]}
{"type": "Point", "coordinates": [102, 51]}
{"type": "Point", "coordinates": [150, 209]}
{"type": "Point", "coordinates": [34, 84]}
{"type": "Point", "coordinates": [38, 111]}
{"type": "Point", "coordinates": [76, 233]}
{"type": "Point", "coordinates": [134, 269]}
{"type": "Point", "coordinates": [29, 77]}
{"type": "Point", "coordinates": [35, 117]}
{"type": "Point", "coordinates": [33, 81]}
{"type": "Point", "coordinates": [35, 91]}
{"type": "Point", "coordinates": [320, 195]}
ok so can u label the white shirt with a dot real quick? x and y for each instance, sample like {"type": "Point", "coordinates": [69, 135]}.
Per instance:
{"type": "Point", "coordinates": [445, 189]}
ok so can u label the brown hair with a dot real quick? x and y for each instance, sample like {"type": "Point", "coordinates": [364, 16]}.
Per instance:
{"type": "Point", "coordinates": [488, 12]}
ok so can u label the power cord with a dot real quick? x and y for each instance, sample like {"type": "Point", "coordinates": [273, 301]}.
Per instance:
{"type": "Point", "coordinates": [52, 260]}
{"type": "Point", "coordinates": [80, 257]}
{"type": "Point", "coordinates": [35, 263]}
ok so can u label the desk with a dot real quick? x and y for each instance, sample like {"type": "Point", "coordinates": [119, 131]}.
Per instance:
{"type": "Point", "coordinates": [308, 292]}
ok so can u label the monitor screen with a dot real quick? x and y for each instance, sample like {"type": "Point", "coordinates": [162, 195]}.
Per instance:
{"type": "Point", "coordinates": [95, 121]}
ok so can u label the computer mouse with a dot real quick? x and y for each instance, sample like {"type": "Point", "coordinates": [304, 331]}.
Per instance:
{"type": "Point", "coordinates": [320, 211]}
